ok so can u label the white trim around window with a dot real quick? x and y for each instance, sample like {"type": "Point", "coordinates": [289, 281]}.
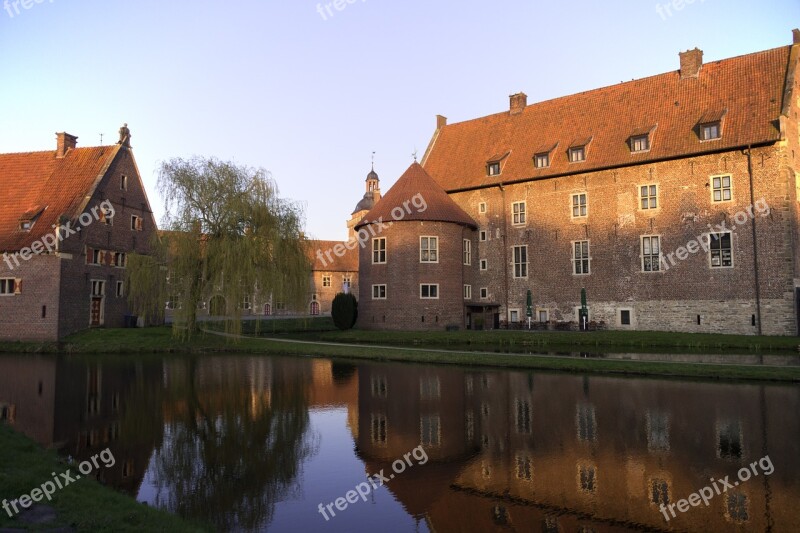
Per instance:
{"type": "Point", "coordinates": [428, 249]}
{"type": "Point", "coordinates": [429, 291]}
{"type": "Point", "coordinates": [379, 292]}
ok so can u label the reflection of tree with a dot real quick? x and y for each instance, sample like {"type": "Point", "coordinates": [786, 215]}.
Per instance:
{"type": "Point", "coordinates": [231, 452]}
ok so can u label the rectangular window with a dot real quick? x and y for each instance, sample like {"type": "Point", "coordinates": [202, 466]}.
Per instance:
{"type": "Point", "coordinates": [123, 183]}
{"type": "Point", "coordinates": [326, 281]}
{"type": "Point", "coordinates": [524, 418]}
{"type": "Point", "coordinates": [484, 264]}
{"type": "Point", "coordinates": [484, 293]}
{"type": "Point", "coordinates": [136, 223]}
{"type": "Point", "coordinates": [579, 205]}
{"type": "Point", "coordinates": [379, 292]}
{"type": "Point", "coordinates": [625, 317]}
{"type": "Point", "coordinates": [541, 160]}
{"type": "Point", "coordinates": [468, 292]}
{"type": "Point", "coordinates": [8, 286]}
{"type": "Point", "coordinates": [588, 477]}
{"type": "Point", "coordinates": [640, 143]}
{"type": "Point", "coordinates": [648, 196]}
{"type": "Point", "coordinates": [651, 253]}
{"type": "Point", "coordinates": [659, 491]}
{"type": "Point", "coordinates": [379, 389]}
{"type": "Point", "coordinates": [521, 261]}
{"type": "Point", "coordinates": [429, 249]}
{"type": "Point", "coordinates": [430, 430]}
{"type": "Point", "coordinates": [120, 259]}
{"type": "Point", "coordinates": [482, 207]}
{"type": "Point", "coordinates": [524, 467]}
{"type": "Point", "coordinates": [721, 188]}
{"type": "Point", "coordinates": [577, 154]}
{"type": "Point", "coordinates": [98, 288]}
{"type": "Point", "coordinates": [542, 313]}
{"type": "Point", "coordinates": [378, 429]}
{"type": "Point", "coordinates": [493, 169]}
{"type": "Point", "coordinates": [586, 422]}
{"type": "Point", "coordinates": [710, 131]}
{"type": "Point", "coordinates": [482, 235]}
{"type": "Point", "coordinates": [94, 257]}
{"type": "Point", "coordinates": [379, 250]}
{"type": "Point", "coordinates": [720, 249]}
{"type": "Point", "coordinates": [518, 212]}
{"type": "Point", "coordinates": [467, 252]}
{"type": "Point", "coordinates": [120, 289]}
{"type": "Point", "coordinates": [429, 291]}
{"type": "Point", "coordinates": [513, 315]}
{"type": "Point", "coordinates": [580, 257]}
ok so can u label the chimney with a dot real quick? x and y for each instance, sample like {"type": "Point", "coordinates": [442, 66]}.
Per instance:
{"type": "Point", "coordinates": [795, 36]}
{"type": "Point", "coordinates": [441, 122]}
{"type": "Point", "coordinates": [65, 142]}
{"type": "Point", "coordinates": [691, 62]}
{"type": "Point", "coordinates": [518, 103]}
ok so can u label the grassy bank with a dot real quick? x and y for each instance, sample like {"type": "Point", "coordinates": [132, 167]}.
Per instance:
{"type": "Point", "coordinates": [83, 505]}
{"type": "Point", "coordinates": [434, 350]}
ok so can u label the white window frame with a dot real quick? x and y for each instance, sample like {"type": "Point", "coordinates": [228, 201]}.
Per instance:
{"type": "Point", "coordinates": [9, 286]}
{"type": "Point", "coordinates": [429, 285]}
{"type": "Point", "coordinates": [376, 291]}
{"type": "Point", "coordinates": [642, 254]}
{"type": "Point", "coordinates": [482, 208]}
{"type": "Point", "coordinates": [379, 251]}
{"type": "Point", "coordinates": [579, 260]}
{"type": "Point", "coordinates": [583, 208]}
{"type": "Point", "coordinates": [327, 281]}
{"type": "Point", "coordinates": [706, 127]}
{"type": "Point", "coordinates": [574, 151]}
{"type": "Point", "coordinates": [518, 216]}
{"type": "Point", "coordinates": [541, 160]}
{"type": "Point", "coordinates": [709, 241]}
{"type": "Point", "coordinates": [467, 252]}
{"type": "Point", "coordinates": [520, 268]}
{"type": "Point", "coordinates": [511, 313]}
{"type": "Point", "coordinates": [636, 143]}
{"type": "Point", "coordinates": [467, 292]}
{"type": "Point", "coordinates": [721, 188]}
{"type": "Point", "coordinates": [647, 198]}
{"type": "Point", "coordinates": [493, 168]}
{"type": "Point", "coordinates": [136, 223]}
{"type": "Point", "coordinates": [120, 289]}
{"type": "Point", "coordinates": [483, 235]}
{"type": "Point", "coordinates": [432, 249]}
{"type": "Point", "coordinates": [123, 182]}
{"type": "Point", "coordinates": [484, 293]}
{"type": "Point", "coordinates": [484, 264]}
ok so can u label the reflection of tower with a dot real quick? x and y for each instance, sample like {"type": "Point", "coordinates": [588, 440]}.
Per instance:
{"type": "Point", "coordinates": [371, 197]}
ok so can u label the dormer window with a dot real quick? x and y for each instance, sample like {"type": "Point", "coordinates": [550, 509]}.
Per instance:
{"type": "Point", "coordinates": [640, 143]}
{"type": "Point", "coordinates": [493, 168]}
{"type": "Point", "coordinates": [710, 131]}
{"type": "Point", "coordinates": [577, 154]}
{"type": "Point", "coordinates": [29, 218]}
{"type": "Point", "coordinates": [541, 160]}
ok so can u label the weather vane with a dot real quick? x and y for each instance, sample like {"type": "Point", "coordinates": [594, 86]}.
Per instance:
{"type": "Point", "coordinates": [101, 139]}
{"type": "Point", "coordinates": [415, 153]}
{"type": "Point", "coordinates": [373, 160]}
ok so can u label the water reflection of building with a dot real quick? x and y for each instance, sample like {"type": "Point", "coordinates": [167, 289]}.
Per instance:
{"type": "Point", "coordinates": [81, 409]}
{"type": "Point", "coordinates": [575, 453]}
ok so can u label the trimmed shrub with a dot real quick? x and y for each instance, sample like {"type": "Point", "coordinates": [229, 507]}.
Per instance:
{"type": "Point", "coordinates": [344, 311]}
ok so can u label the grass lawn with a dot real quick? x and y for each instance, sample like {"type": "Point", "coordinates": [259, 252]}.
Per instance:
{"type": "Point", "coordinates": [84, 505]}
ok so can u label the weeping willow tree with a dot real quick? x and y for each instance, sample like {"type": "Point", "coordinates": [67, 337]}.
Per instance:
{"type": "Point", "coordinates": [228, 237]}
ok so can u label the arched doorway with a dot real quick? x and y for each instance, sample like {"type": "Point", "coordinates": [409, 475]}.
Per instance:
{"type": "Point", "coordinates": [267, 309]}
{"type": "Point", "coordinates": [216, 306]}
{"type": "Point", "coordinates": [314, 308]}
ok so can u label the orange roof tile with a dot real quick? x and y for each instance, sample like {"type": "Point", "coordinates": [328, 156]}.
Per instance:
{"type": "Point", "coordinates": [746, 91]}
{"type": "Point", "coordinates": [331, 262]}
{"type": "Point", "coordinates": [435, 205]}
{"type": "Point", "coordinates": [39, 181]}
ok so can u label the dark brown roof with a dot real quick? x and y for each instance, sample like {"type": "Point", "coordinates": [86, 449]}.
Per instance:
{"type": "Point", "coordinates": [746, 92]}
{"type": "Point", "coordinates": [34, 182]}
{"type": "Point", "coordinates": [434, 204]}
{"type": "Point", "coordinates": [331, 262]}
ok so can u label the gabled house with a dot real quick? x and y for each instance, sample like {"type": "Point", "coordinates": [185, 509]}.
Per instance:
{"type": "Point", "coordinates": [69, 218]}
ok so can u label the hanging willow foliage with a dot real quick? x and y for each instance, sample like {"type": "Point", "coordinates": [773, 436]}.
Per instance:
{"type": "Point", "coordinates": [229, 239]}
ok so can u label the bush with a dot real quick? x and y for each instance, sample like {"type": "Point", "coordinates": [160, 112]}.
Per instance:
{"type": "Point", "coordinates": [344, 311]}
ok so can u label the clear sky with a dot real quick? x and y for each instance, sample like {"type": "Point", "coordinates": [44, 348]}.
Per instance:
{"type": "Point", "coordinates": [309, 96]}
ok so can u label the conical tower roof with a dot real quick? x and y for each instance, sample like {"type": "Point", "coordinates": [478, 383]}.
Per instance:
{"type": "Point", "coordinates": [415, 181]}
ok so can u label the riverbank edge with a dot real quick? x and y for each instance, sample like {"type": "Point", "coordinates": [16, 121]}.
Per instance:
{"type": "Point", "coordinates": [83, 505]}
{"type": "Point", "coordinates": [109, 342]}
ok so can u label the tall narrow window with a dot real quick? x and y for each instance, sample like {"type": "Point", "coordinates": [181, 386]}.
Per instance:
{"type": "Point", "coordinates": [468, 292]}
{"type": "Point", "coordinates": [518, 213]}
{"type": "Point", "coordinates": [580, 257]}
{"type": "Point", "coordinates": [379, 250]}
{"type": "Point", "coordinates": [579, 205]}
{"type": "Point", "coordinates": [521, 261]}
{"type": "Point", "coordinates": [428, 249]}
{"type": "Point", "coordinates": [720, 249]}
{"type": "Point", "coordinates": [123, 182]}
{"type": "Point", "coordinates": [467, 252]}
{"type": "Point", "coordinates": [651, 253]}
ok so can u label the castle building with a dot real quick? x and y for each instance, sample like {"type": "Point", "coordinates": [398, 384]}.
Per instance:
{"type": "Point", "coordinates": [672, 200]}
{"type": "Point", "coordinates": [69, 218]}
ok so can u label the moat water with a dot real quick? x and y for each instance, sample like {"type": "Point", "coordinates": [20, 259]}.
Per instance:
{"type": "Point", "coordinates": [249, 443]}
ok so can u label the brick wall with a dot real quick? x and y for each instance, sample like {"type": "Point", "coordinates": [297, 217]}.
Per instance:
{"type": "Point", "coordinates": [21, 315]}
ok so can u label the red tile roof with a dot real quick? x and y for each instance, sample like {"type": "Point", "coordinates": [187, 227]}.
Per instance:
{"type": "Point", "coordinates": [331, 262]}
{"type": "Point", "coordinates": [34, 181]}
{"type": "Point", "coordinates": [748, 90]}
{"type": "Point", "coordinates": [432, 203]}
